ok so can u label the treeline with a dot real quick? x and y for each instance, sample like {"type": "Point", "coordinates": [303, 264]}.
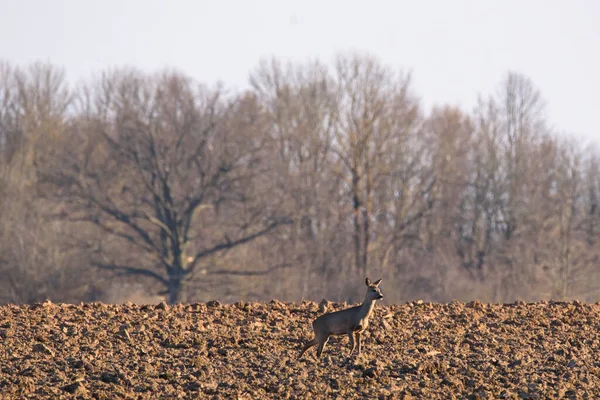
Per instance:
{"type": "Point", "coordinates": [295, 189]}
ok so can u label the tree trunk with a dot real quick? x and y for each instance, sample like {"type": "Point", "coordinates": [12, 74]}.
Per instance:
{"type": "Point", "coordinates": [356, 205]}
{"type": "Point", "coordinates": [366, 210]}
{"type": "Point", "coordinates": [365, 250]}
{"type": "Point", "coordinates": [174, 289]}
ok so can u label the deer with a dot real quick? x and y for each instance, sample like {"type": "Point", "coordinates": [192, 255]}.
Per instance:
{"type": "Point", "coordinates": [351, 321]}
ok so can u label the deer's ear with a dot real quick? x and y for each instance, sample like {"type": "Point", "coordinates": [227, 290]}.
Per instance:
{"type": "Point", "coordinates": [368, 282]}
{"type": "Point", "coordinates": [377, 282]}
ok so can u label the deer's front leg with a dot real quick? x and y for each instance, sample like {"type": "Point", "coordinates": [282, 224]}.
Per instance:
{"type": "Point", "coordinates": [352, 341]}
{"type": "Point", "coordinates": [358, 341]}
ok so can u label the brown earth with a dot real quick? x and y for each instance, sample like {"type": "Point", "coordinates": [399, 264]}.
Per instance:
{"type": "Point", "coordinates": [250, 350]}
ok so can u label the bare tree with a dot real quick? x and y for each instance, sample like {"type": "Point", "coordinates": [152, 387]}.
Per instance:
{"type": "Point", "coordinates": [569, 258]}
{"type": "Point", "coordinates": [591, 211]}
{"type": "Point", "coordinates": [450, 135]}
{"type": "Point", "coordinates": [522, 116]}
{"type": "Point", "coordinates": [11, 131]}
{"type": "Point", "coordinates": [478, 218]}
{"type": "Point", "coordinates": [34, 104]}
{"type": "Point", "coordinates": [301, 104]}
{"type": "Point", "coordinates": [374, 140]}
{"type": "Point", "coordinates": [158, 164]}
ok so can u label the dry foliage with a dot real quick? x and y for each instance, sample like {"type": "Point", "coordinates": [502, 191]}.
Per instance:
{"type": "Point", "coordinates": [290, 189]}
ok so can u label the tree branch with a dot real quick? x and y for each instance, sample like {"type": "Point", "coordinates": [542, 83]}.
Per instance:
{"type": "Point", "coordinates": [228, 244]}
{"type": "Point", "coordinates": [127, 270]}
{"type": "Point", "coordinates": [250, 272]}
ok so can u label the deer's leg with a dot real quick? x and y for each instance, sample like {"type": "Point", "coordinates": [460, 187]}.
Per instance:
{"type": "Point", "coordinates": [358, 341]}
{"type": "Point", "coordinates": [307, 346]}
{"type": "Point", "coordinates": [352, 341]}
{"type": "Point", "coordinates": [322, 343]}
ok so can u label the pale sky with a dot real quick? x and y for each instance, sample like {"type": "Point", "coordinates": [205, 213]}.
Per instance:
{"type": "Point", "coordinates": [454, 48]}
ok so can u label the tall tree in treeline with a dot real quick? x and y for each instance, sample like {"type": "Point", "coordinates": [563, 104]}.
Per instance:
{"type": "Point", "coordinates": [171, 169]}
{"type": "Point", "coordinates": [34, 107]}
{"type": "Point", "coordinates": [378, 153]}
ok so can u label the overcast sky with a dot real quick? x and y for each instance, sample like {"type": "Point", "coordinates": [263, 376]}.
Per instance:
{"type": "Point", "coordinates": [455, 48]}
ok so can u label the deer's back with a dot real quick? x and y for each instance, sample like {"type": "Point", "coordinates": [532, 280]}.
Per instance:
{"type": "Point", "coordinates": [338, 322]}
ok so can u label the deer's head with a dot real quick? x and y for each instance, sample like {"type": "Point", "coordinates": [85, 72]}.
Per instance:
{"type": "Point", "coordinates": [373, 291]}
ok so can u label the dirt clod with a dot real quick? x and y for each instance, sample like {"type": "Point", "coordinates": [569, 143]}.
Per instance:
{"type": "Point", "coordinates": [369, 372]}
{"type": "Point", "coordinates": [42, 348]}
{"type": "Point", "coordinates": [75, 388]}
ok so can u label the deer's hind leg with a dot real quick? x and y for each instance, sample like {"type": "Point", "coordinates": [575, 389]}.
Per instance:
{"type": "Point", "coordinates": [307, 346]}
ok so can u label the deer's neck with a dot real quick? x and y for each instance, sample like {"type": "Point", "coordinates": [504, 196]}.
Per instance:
{"type": "Point", "coordinates": [367, 308]}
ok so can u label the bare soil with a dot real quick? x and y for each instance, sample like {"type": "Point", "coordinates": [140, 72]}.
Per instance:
{"type": "Point", "coordinates": [250, 351]}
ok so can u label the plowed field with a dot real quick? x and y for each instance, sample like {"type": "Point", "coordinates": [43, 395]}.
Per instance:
{"type": "Point", "coordinates": [250, 351]}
